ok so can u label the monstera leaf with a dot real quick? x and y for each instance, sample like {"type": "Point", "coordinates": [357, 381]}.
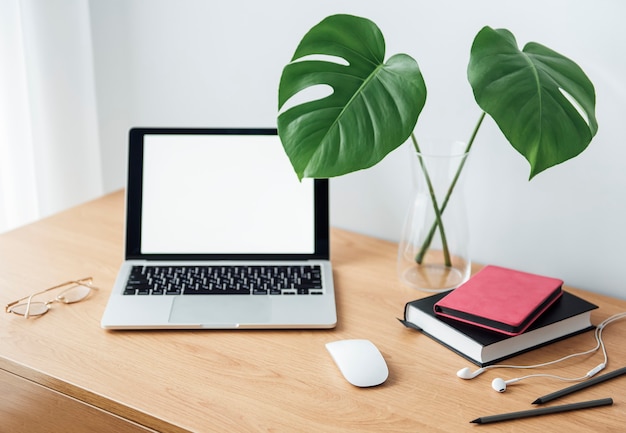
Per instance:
{"type": "Point", "coordinates": [542, 101]}
{"type": "Point", "coordinates": [373, 106]}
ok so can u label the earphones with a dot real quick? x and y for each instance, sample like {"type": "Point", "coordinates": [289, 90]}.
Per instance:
{"type": "Point", "coordinates": [500, 385]}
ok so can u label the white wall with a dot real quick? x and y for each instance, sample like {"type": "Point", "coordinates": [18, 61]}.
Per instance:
{"type": "Point", "coordinates": [208, 63]}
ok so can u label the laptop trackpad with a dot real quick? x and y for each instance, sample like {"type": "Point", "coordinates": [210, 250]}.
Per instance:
{"type": "Point", "coordinates": [221, 309]}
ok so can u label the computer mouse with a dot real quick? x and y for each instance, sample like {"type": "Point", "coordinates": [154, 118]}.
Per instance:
{"type": "Point", "coordinates": [360, 362]}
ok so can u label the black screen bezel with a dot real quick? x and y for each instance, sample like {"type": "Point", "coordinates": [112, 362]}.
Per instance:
{"type": "Point", "coordinates": [134, 194]}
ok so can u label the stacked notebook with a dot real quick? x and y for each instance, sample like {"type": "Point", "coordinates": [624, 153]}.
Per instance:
{"type": "Point", "coordinates": [499, 313]}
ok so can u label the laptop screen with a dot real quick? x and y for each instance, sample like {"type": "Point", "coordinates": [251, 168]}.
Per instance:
{"type": "Point", "coordinates": [220, 193]}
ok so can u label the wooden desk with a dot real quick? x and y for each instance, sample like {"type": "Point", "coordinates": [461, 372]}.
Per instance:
{"type": "Point", "coordinates": [62, 370]}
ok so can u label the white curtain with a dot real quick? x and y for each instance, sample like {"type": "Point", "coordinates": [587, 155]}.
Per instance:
{"type": "Point", "coordinates": [49, 148]}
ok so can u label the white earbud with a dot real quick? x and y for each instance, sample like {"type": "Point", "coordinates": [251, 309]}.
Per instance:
{"type": "Point", "coordinates": [500, 384]}
{"type": "Point", "coordinates": [466, 373]}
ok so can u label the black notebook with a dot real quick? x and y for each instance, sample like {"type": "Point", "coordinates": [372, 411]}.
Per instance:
{"type": "Point", "coordinates": [568, 316]}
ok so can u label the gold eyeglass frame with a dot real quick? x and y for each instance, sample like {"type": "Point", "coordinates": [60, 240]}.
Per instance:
{"type": "Point", "coordinates": [85, 282]}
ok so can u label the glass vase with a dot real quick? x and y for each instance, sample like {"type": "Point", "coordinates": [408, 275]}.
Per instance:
{"type": "Point", "coordinates": [434, 256]}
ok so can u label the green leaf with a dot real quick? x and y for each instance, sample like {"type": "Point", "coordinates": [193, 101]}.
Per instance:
{"type": "Point", "coordinates": [373, 107]}
{"type": "Point", "coordinates": [542, 101]}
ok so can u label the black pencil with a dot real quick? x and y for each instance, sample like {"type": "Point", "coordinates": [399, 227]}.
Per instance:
{"type": "Point", "coordinates": [543, 411]}
{"type": "Point", "coordinates": [579, 386]}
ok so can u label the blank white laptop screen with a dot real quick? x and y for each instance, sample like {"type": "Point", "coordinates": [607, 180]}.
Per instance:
{"type": "Point", "coordinates": [227, 194]}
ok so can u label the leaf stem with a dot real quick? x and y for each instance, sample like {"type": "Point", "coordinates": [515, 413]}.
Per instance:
{"type": "Point", "coordinates": [431, 191]}
{"type": "Point", "coordinates": [428, 240]}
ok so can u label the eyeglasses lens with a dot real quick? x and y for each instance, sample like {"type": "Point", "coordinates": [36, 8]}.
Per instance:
{"type": "Point", "coordinates": [36, 309]}
{"type": "Point", "coordinates": [74, 294]}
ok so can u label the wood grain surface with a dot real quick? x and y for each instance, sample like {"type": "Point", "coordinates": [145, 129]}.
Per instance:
{"type": "Point", "coordinates": [261, 381]}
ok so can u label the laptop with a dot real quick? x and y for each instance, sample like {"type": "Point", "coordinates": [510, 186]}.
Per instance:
{"type": "Point", "coordinates": [221, 234]}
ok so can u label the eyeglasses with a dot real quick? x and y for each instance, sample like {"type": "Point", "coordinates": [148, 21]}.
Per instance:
{"type": "Point", "coordinates": [76, 291]}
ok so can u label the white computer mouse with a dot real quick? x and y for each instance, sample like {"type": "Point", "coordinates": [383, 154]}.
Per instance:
{"type": "Point", "coordinates": [360, 362]}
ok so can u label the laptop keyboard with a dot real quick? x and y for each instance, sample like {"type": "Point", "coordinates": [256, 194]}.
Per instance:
{"type": "Point", "coordinates": [225, 280]}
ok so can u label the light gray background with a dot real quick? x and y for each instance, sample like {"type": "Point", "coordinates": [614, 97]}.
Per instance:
{"type": "Point", "coordinates": [210, 63]}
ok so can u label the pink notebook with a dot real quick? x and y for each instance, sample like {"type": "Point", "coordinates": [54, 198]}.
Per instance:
{"type": "Point", "coordinates": [503, 300]}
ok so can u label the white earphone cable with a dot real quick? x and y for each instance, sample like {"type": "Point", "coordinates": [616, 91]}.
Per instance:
{"type": "Point", "coordinates": [598, 346]}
